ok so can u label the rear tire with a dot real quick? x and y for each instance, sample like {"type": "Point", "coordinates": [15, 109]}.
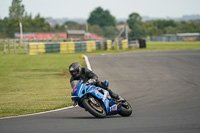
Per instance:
{"type": "Point", "coordinates": [126, 109]}
{"type": "Point", "coordinates": [96, 110]}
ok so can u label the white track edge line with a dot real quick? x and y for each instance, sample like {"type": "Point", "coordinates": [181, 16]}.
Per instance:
{"type": "Point", "coordinates": [88, 66]}
{"type": "Point", "coordinates": [38, 113]}
{"type": "Point", "coordinates": [87, 62]}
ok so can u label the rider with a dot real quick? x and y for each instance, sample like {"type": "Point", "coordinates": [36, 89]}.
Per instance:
{"type": "Point", "coordinates": [88, 77]}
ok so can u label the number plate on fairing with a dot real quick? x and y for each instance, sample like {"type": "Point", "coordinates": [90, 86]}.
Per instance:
{"type": "Point", "coordinates": [113, 108]}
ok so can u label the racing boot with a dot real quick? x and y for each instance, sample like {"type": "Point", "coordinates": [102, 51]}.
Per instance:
{"type": "Point", "coordinates": [120, 99]}
{"type": "Point", "coordinates": [113, 95]}
{"type": "Point", "coordinates": [116, 96]}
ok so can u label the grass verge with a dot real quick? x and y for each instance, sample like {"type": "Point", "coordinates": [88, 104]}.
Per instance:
{"type": "Point", "coordinates": [30, 84]}
{"type": "Point", "coordinates": [152, 46]}
{"type": "Point", "coordinates": [173, 45]}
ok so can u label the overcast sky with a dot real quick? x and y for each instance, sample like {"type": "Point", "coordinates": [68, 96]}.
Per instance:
{"type": "Point", "coordinates": [118, 8]}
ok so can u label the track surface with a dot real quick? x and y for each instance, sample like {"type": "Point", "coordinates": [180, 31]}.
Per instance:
{"type": "Point", "coordinates": [162, 87]}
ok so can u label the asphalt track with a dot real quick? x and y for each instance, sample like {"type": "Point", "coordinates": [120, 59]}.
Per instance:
{"type": "Point", "coordinates": [162, 87]}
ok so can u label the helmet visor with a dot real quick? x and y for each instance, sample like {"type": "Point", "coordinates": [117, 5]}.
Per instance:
{"type": "Point", "coordinates": [74, 73]}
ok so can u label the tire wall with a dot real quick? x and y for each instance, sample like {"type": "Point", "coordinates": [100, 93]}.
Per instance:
{"type": "Point", "coordinates": [72, 47]}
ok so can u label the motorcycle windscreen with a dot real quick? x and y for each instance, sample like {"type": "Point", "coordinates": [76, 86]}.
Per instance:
{"type": "Point", "coordinates": [74, 83]}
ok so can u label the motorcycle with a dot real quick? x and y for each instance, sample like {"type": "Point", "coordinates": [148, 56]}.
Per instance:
{"type": "Point", "coordinates": [98, 101]}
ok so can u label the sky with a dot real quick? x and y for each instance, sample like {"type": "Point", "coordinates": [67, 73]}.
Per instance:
{"type": "Point", "coordinates": [117, 8]}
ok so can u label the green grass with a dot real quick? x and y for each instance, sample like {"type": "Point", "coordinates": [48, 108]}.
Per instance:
{"type": "Point", "coordinates": [172, 45]}
{"type": "Point", "coordinates": [152, 46]}
{"type": "Point", "coordinates": [30, 84]}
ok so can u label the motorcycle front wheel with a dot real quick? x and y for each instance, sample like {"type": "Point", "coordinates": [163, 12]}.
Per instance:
{"type": "Point", "coordinates": [94, 106]}
{"type": "Point", "coordinates": [126, 109]}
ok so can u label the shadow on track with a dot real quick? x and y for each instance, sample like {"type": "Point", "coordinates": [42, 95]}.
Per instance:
{"type": "Point", "coordinates": [84, 117]}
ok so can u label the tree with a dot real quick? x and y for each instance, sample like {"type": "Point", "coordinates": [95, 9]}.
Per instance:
{"type": "Point", "coordinates": [36, 24]}
{"type": "Point", "coordinates": [12, 26]}
{"type": "Point", "coordinates": [136, 26]}
{"type": "Point", "coordinates": [110, 32]}
{"type": "Point", "coordinates": [16, 10]}
{"type": "Point", "coordinates": [101, 17]}
{"type": "Point", "coordinates": [170, 30]}
{"type": "Point", "coordinates": [166, 26]}
{"type": "Point", "coordinates": [95, 29]}
{"type": "Point", "coordinates": [59, 28]}
{"type": "Point", "coordinates": [3, 27]}
{"type": "Point", "coordinates": [39, 24]}
{"type": "Point", "coordinates": [150, 28]}
{"type": "Point", "coordinates": [102, 23]}
{"type": "Point", "coordinates": [71, 25]}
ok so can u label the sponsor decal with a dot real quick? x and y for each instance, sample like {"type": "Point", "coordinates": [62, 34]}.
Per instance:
{"type": "Point", "coordinates": [113, 108]}
{"type": "Point", "coordinates": [96, 92]}
{"type": "Point", "coordinates": [74, 89]}
{"type": "Point", "coordinates": [105, 95]}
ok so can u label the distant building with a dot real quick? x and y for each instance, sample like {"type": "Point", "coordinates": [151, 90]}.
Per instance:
{"type": "Point", "coordinates": [76, 35]}
{"type": "Point", "coordinates": [165, 38]}
{"type": "Point", "coordinates": [177, 37]}
{"type": "Point", "coordinates": [189, 36]}
{"type": "Point", "coordinates": [42, 36]}
{"type": "Point", "coordinates": [72, 35]}
{"type": "Point", "coordinates": [90, 36]}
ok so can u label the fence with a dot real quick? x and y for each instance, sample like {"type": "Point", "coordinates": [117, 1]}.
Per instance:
{"type": "Point", "coordinates": [33, 48]}
{"type": "Point", "coordinates": [16, 46]}
{"type": "Point", "coordinates": [177, 37]}
{"type": "Point", "coordinates": [13, 46]}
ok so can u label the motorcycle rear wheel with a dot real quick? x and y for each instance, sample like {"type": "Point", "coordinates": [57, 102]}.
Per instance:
{"type": "Point", "coordinates": [126, 109]}
{"type": "Point", "coordinates": [97, 109]}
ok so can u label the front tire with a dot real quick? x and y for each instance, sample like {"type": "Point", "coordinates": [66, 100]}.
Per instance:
{"type": "Point", "coordinates": [93, 106]}
{"type": "Point", "coordinates": [126, 109]}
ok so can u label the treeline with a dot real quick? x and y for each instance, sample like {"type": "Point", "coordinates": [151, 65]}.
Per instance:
{"type": "Point", "coordinates": [17, 14]}
{"type": "Point", "coordinates": [8, 27]}
{"type": "Point", "coordinates": [159, 27]}
{"type": "Point", "coordinates": [100, 22]}
{"type": "Point", "coordinates": [140, 29]}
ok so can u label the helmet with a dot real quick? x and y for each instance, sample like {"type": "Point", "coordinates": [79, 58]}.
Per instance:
{"type": "Point", "coordinates": [75, 70]}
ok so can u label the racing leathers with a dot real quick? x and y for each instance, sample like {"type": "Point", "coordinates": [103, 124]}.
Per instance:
{"type": "Point", "coordinates": [88, 76]}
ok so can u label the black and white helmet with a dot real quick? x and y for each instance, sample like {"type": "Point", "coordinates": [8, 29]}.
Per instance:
{"type": "Point", "coordinates": [75, 70]}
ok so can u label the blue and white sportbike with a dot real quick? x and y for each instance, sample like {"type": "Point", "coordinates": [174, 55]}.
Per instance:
{"type": "Point", "coordinates": [98, 101]}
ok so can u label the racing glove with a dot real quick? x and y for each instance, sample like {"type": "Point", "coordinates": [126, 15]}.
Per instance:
{"type": "Point", "coordinates": [91, 81]}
